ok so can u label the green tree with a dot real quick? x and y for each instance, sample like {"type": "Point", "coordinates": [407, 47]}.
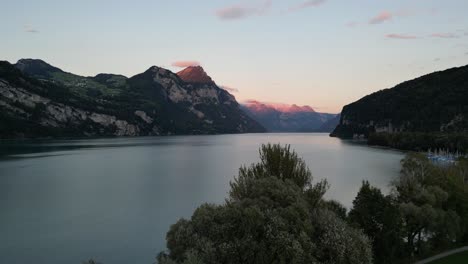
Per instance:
{"type": "Point", "coordinates": [379, 218]}
{"type": "Point", "coordinates": [335, 207]}
{"type": "Point", "coordinates": [339, 243]}
{"type": "Point", "coordinates": [423, 204]}
{"type": "Point", "coordinates": [274, 214]}
{"type": "Point", "coordinates": [91, 261]}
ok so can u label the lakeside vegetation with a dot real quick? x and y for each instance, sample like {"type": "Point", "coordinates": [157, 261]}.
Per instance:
{"type": "Point", "coordinates": [422, 107]}
{"type": "Point", "coordinates": [421, 141]}
{"type": "Point", "coordinates": [276, 214]}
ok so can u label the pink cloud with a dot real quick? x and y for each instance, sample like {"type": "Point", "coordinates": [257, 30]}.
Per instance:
{"type": "Point", "coordinates": [352, 24]}
{"type": "Point", "coordinates": [239, 11]}
{"type": "Point", "coordinates": [234, 12]}
{"type": "Point", "coordinates": [380, 18]}
{"type": "Point", "coordinates": [185, 64]}
{"type": "Point", "coordinates": [444, 35]}
{"type": "Point", "coordinates": [306, 4]}
{"type": "Point", "coordinates": [401, 36]}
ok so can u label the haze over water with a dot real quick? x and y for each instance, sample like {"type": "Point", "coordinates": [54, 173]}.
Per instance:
{"type": "Point", "coordinates": [114, 199]}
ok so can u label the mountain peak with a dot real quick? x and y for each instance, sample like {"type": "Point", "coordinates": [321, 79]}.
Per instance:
{"type": "Point", "coordinates": [280, 107]}
{"type": "Point", "coordinates": [195, 74]}
{"type": "Point", "coordinates": [36, 67]}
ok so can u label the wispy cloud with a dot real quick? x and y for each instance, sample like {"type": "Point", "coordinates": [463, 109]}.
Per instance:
{"type": "Point", "coordinates": [401, 36]}
{"type": "Point", "coordinates": [386, 15]}
{"type": "Point", "coordinates": [306, 4]}
{"type": "Point", "coordinates": [380, 18]}
{"type": "Point", "coordinates": [352, 24]}
{"type": "Point", "coordinates": [230, 89]}
{"type": "Point", "coordinates": [242, 11]}
{"type": "Point", "coordinates": [30, 29]}
{"type": "Point", "coordinates": [437, 59]}
{"type": "Point", "coordinates": [444, 35]}
{"type": "Point", "coordinates": [185, 64]}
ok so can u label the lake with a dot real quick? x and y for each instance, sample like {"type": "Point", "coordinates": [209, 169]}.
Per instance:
{"type": "Point", "coordinates": [114, 199]}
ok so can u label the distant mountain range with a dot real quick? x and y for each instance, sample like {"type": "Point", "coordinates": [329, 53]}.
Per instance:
{"type": "Point", "coordinates": [417, 114]}
{"type": "Point", "coordinates": [289, 118]}
{"type": "Point", "coordinates": [40, 100]}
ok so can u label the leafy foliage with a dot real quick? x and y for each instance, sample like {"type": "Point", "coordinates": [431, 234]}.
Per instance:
{"type": "Point", "coordinates": [426, 212]}
{"type": "Point", "coordinates": [424, 205]}
{"type": "Point", "coordinates": [419, 141]}
{"type": "Point", "coordinates": [274, 214]}
{"type": "Point", "coordinates": [432, 111]}
{"type": "Point", "coordinates": [379, 218]}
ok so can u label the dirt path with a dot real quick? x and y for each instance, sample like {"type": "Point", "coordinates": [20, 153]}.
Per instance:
{"type": "Point", "coordinates": [442, 255]}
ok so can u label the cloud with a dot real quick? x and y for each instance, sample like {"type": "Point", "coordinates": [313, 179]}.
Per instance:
{"type": "Point", "coordinates": [352, 24]}
{"type": "Point", "coordinates": [466, 53]}
{"type": "Point", "coordinates": [385, 16]}
{"type": "Point", "coordinates": [380, 18]}
{"type": "Point", "coordinates": [185, 64]}
{"type": "Point", "coordinates": [444, 35]}
{"type": "Point", "coordinates": [401, 36]}
{"type": "Point", "coordinates": [239, 11]}
{"type": "Point", "coordinates": [437, 59]}
{"type": "Point", "coordinates": [30, 29]}
{"type": "Point", "coordinates": [230, 89]}
{"type": "Point", "coordinates": [306, 4]}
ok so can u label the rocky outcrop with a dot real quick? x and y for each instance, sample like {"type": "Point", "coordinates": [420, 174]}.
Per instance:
{"type": "Point", "coordinates": [195, 74]}
{"type": "Point", "coordinates": [44, 101]}
{"type": "Point", "coordinates": [17, 101]}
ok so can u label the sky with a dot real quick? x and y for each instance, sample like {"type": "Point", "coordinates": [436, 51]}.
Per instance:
{"type": "Point", "coordinates": [322, 53]}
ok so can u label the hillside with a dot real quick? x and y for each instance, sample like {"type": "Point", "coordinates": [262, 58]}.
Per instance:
{"type": "Point", "coordinates": [40, 100]}
{"type": "Point", "coordinates": [289, 118]}
{"type": "Point", "coordinates": [434, 106]}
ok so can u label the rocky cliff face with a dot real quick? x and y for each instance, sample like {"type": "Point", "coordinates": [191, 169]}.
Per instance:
{"type": "Point", "coordinates": [288, 118]}
{"type": "Point", "coordinates": [195, 74]}
{"type": "Point", "coordinates": [436, 102]}
{"type": "Point", "coordinates": [39, 100]}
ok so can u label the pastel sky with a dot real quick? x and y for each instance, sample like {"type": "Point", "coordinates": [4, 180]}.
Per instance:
{"type": "Point", "coordinates": [323, 53]}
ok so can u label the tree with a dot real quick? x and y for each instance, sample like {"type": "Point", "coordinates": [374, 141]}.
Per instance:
{"type": "Point", "coordinates": [423, 205]}
{"type": "Point", "coordinates": [91, 261]}
{"type": "Point", "coordinates": [336, 207]}
{"type": "Point", "coordinates": [274, 214]}
{"type": "Point", "coordinates": [339, 243]}
{"type": "Point", "coordinates": [377, 216]}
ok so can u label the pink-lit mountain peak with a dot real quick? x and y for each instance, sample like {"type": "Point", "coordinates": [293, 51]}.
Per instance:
{"type": "Point", "coordinates": [195, 74]}
{"type": "Point", "coordinates": [257, 106]}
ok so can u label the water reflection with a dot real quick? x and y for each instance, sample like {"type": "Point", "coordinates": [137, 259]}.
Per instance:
{"type": "Point", "coordinates": [114, 199]}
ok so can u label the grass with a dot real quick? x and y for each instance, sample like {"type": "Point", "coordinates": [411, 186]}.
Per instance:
{"type": "Point", "coordinates": [80, 85]}
{"type": "Point", "coordinates": [458, 258]}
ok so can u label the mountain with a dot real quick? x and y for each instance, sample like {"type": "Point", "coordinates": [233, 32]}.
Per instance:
{"type": "Point", "coordinates": [40, 100]}
{"type": "Point", "coordinates": [416, 114]}
{"type": "Point", "coordinates": [288, 118]}
{"type": "Point", "coordinates": [195, 74]}
{"type": "Point", "coordinates": [330, 124]}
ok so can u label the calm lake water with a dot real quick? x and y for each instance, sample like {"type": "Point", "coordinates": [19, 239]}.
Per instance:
{"type": "Point", "coordinates": [114, 199]}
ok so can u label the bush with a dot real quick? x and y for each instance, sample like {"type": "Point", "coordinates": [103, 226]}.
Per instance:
{"type": "Point", "coordinates": [274, 214]}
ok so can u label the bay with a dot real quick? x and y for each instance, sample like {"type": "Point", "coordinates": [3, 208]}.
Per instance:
{"type": "Point", "coordinates": [65, 201]}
